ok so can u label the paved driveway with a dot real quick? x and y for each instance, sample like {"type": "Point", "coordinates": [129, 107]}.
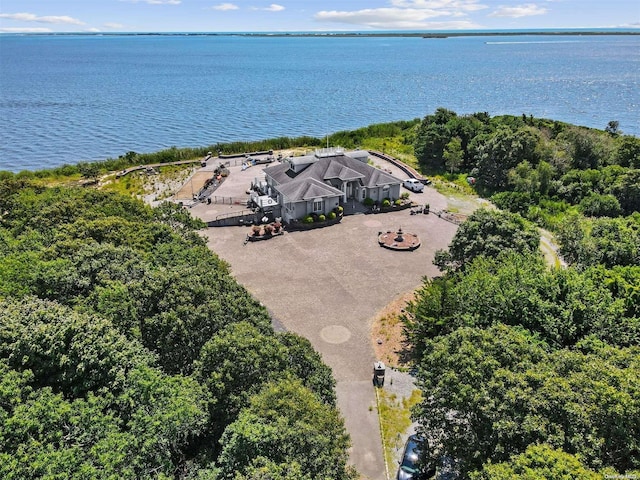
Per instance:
{"type": "Point", "coordinates": [327, 285]}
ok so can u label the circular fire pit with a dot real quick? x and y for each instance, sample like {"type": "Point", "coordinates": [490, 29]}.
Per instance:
{"type": "Point", "coordinates": [398, 240]}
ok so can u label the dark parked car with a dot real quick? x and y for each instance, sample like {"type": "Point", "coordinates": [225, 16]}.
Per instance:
{"type": "Point", "coordinates": [410, 469]}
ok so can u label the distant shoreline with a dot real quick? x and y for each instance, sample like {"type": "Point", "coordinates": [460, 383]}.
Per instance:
{"type": "Point", "coordinates": [442, 35]}
{"type": "Point", "coordinates": [488, 33]}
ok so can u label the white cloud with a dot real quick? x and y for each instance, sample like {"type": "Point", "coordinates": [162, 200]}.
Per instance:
{"type": "Point", "coordinates": [93, 30]}
{"type": "Point", "coordinates": [397, 18]}
{"type": "Point", "coordinates": [454, 5]}
{"type": "Point", "coordinates": [223, 7]}
{"type": "Point", "coordinates": [518, 11]}
{"type": "Point", "coordinates": [25, 30]}
{"type": "Point", "coordinates": [114, 26]}
{"type": "Point", "coordinates": [30, 17]}
{"type": "Point", "coordinates": [274, 7]}
{"type": "Point", "coordinates": [408, 14]}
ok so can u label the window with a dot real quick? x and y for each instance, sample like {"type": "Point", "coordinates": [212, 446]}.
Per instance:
{"type": "Point", "coordinates": [317, 205]}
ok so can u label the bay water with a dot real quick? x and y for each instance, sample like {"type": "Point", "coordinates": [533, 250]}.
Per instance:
{"type": "Point", "coordinates": [68, 98]}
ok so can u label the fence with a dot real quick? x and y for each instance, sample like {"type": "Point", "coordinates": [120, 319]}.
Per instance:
{"type": "Point", "coordinates": [244, 217]}
{"type": "Point", "coordinates": [218, 200]}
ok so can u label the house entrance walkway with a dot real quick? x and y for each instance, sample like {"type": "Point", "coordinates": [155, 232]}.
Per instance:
{"type": "Point", "coordinates": [352, 207]}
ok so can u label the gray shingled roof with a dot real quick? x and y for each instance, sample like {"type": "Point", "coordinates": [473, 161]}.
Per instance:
{"type": "Point", "coordinates": [342, 172]}
{"type": "Point", "coordinates": [280, 173]}
{"type": "Point", "coordinates": [379, 177]}
{"type": "Point", "coordinates": [307, 189]}
{"type": "Point", "coordinates": [338, 166]}
{"type": "Point", "coordinates": [334, 167]}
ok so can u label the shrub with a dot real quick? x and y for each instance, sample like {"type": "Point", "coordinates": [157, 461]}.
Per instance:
{"type": "Point", "coordinates": [516, 202]}
{"type": "Point", "coordinates": [307, 219]}
{"type": "Point", "coordinates": [368, 202]}
{"type": "Point", "coordinates": [404, 196]}
{"type": "Point", "coordinates": [386, 202]}
{"type": "Point", "coordinates": [339, 210]}
{"type": "Point", "coordinates": [331, 216]}
{"type": "Point", "coordinates": [597, 205]}
{"type": "Point", "coordinates": [398, 202]}
{"type": "Point", "coordinates": [321, 218]}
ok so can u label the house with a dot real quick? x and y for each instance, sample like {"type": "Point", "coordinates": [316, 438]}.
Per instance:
{"type": "Point", "coordinates": [319, 182]}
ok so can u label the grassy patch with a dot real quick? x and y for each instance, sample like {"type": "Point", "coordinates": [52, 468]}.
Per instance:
{"type": "Point", "coordinates": [130, 185]}
{"type": "Point", "coordinates": [395, 420]}
{"type": "Point", "coordinates": [453, 185]}
{"type": "Point", "coordinates": [46, 178]}
{"type": "Point", "coordinates": [393, 146]}
{"type": "Point", "coordinates": [138, 184]}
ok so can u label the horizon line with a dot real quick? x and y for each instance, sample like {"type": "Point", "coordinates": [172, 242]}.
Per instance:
{"type": "Point", "coordinates": [427, 33]}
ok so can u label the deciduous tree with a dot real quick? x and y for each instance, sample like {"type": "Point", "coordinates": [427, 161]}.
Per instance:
{"type": "Point", "coordinates": [488, 232]}
{"type": "Point", "coordinates": [287, 424]}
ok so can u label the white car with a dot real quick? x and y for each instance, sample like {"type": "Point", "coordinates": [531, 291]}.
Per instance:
{"type": "Point", "coordinates": [413, 185]}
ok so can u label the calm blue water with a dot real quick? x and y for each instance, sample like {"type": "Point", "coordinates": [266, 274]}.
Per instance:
{"type": "Point", "coordinates": [70, 98]}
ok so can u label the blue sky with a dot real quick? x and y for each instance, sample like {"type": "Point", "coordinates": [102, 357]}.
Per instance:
{"type": "Point", "coordinates": [311, 15]}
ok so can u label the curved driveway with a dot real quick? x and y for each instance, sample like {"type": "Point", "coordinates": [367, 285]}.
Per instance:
{"type": "Point", "coordinates": [327, 285]}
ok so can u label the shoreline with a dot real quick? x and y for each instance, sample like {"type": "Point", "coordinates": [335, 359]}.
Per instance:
{"type": "Point", "coordinates": [439, 35]}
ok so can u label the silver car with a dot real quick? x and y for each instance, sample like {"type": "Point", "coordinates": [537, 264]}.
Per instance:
{"type": "Point", "coordinates": [413, 185]}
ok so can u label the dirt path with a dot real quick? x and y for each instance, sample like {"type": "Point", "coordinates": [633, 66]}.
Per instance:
{"type": "Point", "coordinates": [549, 249]}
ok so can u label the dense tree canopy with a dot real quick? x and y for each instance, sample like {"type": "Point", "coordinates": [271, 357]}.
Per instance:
{"type": "Point", "coordinates": [540, 462]}
{"type": "Point", "coordinates": [127, 349]}
{"type": "Point", "coordinates": [561, 306]}
{"type": "Point", "coordinates": [542, 169]}
{"type": "Point", "coordinates": [529, 371]}
{"type": "Point", "coordinates": [502, 151]}
{"type": "Point", "coordinates": [79, 399]}
{"type": "Point", "coordinates": [512, 354]}
{"type": "Point", "coordinates": [493, 392]}
{"type": "Point", "coordinates": [602, 241]}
